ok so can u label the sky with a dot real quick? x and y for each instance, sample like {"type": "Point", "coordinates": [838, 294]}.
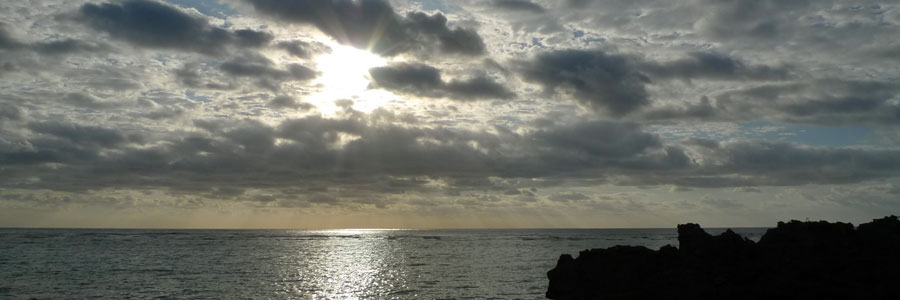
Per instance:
{"type": "Point", "coordinates": [447, 114]}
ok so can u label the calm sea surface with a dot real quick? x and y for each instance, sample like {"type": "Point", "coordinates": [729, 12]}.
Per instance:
{"type": "Point", "coordinates": [297, 264]}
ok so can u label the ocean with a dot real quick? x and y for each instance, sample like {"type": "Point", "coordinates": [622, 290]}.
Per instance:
{"type": "Point", "coordinates": [298, 264]}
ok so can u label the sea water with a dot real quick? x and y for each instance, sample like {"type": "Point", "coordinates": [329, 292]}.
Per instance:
{"type": "Point", "coordinates": [297, 264]}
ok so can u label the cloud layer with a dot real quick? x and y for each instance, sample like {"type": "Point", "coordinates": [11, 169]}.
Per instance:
{"type": "Point", "coordinates": [617, 109]}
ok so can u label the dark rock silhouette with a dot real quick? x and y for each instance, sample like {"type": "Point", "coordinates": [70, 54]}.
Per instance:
{"type": "Point", "coordinates": [795, 260]}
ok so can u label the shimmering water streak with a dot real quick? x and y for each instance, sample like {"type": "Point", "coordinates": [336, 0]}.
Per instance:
{"type": "Point", "coordinates": [292, 264]}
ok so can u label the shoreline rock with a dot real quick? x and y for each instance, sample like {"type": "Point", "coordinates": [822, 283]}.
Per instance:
{"type": "Point", "coordinates": [795, 260]}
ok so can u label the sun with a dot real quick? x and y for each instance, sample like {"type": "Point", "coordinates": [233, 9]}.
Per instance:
{"type": "Point", "coordinates": [345, 75]}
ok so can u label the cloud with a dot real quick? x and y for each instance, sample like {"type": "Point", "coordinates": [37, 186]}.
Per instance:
{"type": "Point", "coordinates": [617, 83]}
{"type": "Point", "coordinates": [281, 102]}
{"type": "Point", "coordinates": [678, 188]}
{"type": "Point", "coordinates": [50, 48]}
{"type": "Point", "coordinates": [518, 5]}
{"type": "Point", "coordinates": [525, 17]}
{"type": "Point", "coordinates": [251, 38]}
{"type": "Point", "coordinates": [9, 112]}
{"type": "Point", "coordinates": [264, 73]}
{"type": "Point", "coordinates": [746, 189]}
{"type": "Point", "coordinates": [599, 80]}
{"type": "Point", "coordinates": [765, 20]}
{"type": "Point", "coordinates": [158, 101]}
{"type": "Point", "coordinates": [822, 101]}
{"type": "Point", "coordinates": [261, 69]}
{"type": "Point", "coordinates": [161, 114]}
{"type": "Point", "coordinates": [316, 147]}
{"type": "Point", "coordinates": [424, 80]}
{"type": "Point", "coordinates": [568, 197]}
{"type": "Point", "coordinates": [301, 49]}
{"type": "Point", "coordinates": [599, 139]}
{"type": "Point", "coordinates": [703, 110]}
{"type": "Point", "coordinates": [375, 26]}
{"type": "Point", "coordinates": [455, 41]}
{"type": "Point", "coordinates": [712, 66]}
{"type": "Point", "coordinates": [408, 77]}
{"type": "Point", "coordinates": [152, 24]}
{"type": "Point", "coordinates": [479, 87]}
{"type": "Point", "coordinates": [598, 149]}
{"type": "Point", "coordinates": [757, 162]}
{"type": "Point", "coordinates": [87, 101]}
{"type": "Point", "coordinates": [68, 46]}
{"type": "Point", "coordinates": [7, 41]}
{"type": "Point", "coordinates": [190, 75]}
{"type": "Point", "coordinates": [362, 155]}
{"type": "Point", "coordinates": [78, 134]}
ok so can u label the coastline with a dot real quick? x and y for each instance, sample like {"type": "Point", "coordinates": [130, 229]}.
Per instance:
{"type": "Point", "coordinates": [799, 260]}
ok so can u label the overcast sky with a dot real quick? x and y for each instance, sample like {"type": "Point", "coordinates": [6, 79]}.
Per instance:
{"type": "Point", "coordinates": [423, 114]}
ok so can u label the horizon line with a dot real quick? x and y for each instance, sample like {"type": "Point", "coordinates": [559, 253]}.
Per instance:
{"type": "Point", "coordinates": [373, 229]}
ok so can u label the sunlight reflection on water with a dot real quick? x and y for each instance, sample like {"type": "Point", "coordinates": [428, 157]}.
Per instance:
{"type": "Point", "coordinates": [367, 271]}
{"type": "Point", "coordinates": [349, 264]}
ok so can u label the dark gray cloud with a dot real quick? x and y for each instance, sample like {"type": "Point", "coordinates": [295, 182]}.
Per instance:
{"type": "Point", "coordinates": [152, 24]}
{"type": "Point", "coordinates": [314, 152]}
{"type": "Point", "coordinates": [264, 73]}
{"type": "Point", "coordinates": [373, 25]}
{"type": "Point", "coordinates": [161, 113]}
{"type": "Point", "coordinates": [518, 5]}
{"type": "Point", "coordinates": [592, 149]}
{"type": "Point", "coordinates": [7, 41]}
{"type": "Point", "coordinates": [105, 78]}
{"type": "Point", "coordinates": [61, 142]}
{"type": "Point", "coordinates": [6, 67]}
{"type": "Point", "coordinates": [256, 69]}
{"type": "Point", "coordinates": [526, 17]}
{"type": "Point", "coordinates": [68, 46]}
{"type": "Point", "coordinates": [478, 87]}
{"type": "Point", "coordinates": [51, 47]}
{"type": "Point", "coordinates": [821, 31]}
{"type": "Point", "coordinates": [433, 29]}
{"type": "Point", "coordinates": [282, 102]}
{"type": "Point", "coordinates": [823, 101]}
{"type": "Point", "coordinates": [230, 152]}
{"type": "Point", "coordinates": [629, 19]}
{"type": "Point", "coordinates": [764, 20]}
{"type": "Point", "coordinates": [599, 80]}
{"type": "Point", "coordinates": [712, 66]}
{"type": "Point", "coordinates": [616, 83]}
{"type": "Point", "coordinates": [251, 38]}
{"type": "Point", "coordinates": [424, 80]}
{"type": "Point", "coordinates": [577, 3]}
{"type": "Point", "coordinates": [568, 197]}
{"type": "Point", "coordinates": [783, 163]}
{"type": "Point", "coordinates": [302, 49]}
{"type": "Point", "coordinates": [599, 139]}
{"type": "Point", "coordinates": [9, 112]}
{"type": "Point", "coordinates": [78, 134]}
{"type": "Point", "coordinates": [890, 52]}
{"type": "Point", "coordinates": [189, 75]}
{"type": "Point", "coordinates": [408, 77]}
{"type": "Point", "coordinates": [87, 101]}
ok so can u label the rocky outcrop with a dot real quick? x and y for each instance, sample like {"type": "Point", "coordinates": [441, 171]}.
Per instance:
{"type": "Point", "coordinates": [795, 260]}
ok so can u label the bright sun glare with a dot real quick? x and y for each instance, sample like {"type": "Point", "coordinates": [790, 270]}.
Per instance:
{"type": "Point", "coordinates": [345, 75]}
